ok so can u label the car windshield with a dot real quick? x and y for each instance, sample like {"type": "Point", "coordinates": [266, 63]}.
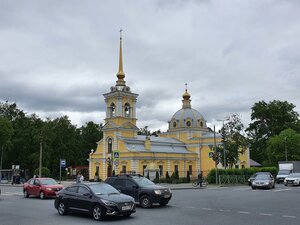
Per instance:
{"type": "Point", "coordinates": [284, 172]}
{"type": "Point", "coordinates": [294, 175]}
{"type": "Point", "coordinates": [103, 189]}
{"type": "Point", "coordinates": [143, 182]}
{"type": "Point", "coordinates": [48, 182]}
{"type": "Point", "coordinates": [262, 177]}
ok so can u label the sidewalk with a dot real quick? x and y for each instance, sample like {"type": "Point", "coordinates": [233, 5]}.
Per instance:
{"type": "Point", "coordinates": [171, 186]}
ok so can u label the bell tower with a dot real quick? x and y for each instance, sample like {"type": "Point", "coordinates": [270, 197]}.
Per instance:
{"type": "Point", "coordinates": [120, 101]}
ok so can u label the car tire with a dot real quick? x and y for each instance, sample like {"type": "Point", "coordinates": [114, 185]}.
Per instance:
{"type": "Point", "coordinates": [145, 201]}
{"type": "Point", "coordinates": [62, 209]}
{"type": "Point", "coordinates": [98, 213]}
{"type": "Point", "coordinates": [26, 195]}
{"type": "Point", "coordinates": [253, 187]}
{"type": "Point", "coordinates": [42, 195]}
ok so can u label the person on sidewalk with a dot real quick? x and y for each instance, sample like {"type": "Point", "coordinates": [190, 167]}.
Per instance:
{"type": "Point", "coordinates": [200, 178]}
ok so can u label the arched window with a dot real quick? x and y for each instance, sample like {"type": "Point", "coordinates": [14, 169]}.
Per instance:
{"type": "Point", "coordinates": [201, 124]}
{"type": "Point", "coordinates": [127, 110]}
{"type": "Point", "coordinates": [112, 110]}
{"type": "Point", "coordinates": [174, 124]}
{"type": "Point", "coordinates": [188, 123]}
{"type": "Point", "coordinates": [109, 145]}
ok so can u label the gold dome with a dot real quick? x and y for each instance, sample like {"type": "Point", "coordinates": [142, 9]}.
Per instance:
{"type": "Point", "coordinates": [186, 95]}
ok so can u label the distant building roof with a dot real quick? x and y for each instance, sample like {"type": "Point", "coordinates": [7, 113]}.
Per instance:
{"type": "Point", "coordinates": [158, 144]}
{"type": "Point", "coordinates": [254, 163]}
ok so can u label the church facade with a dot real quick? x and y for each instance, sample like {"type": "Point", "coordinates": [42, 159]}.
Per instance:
{"type": "Point", "coordinates": [186, 147]}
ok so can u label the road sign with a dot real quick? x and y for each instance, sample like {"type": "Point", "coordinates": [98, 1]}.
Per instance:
{"type": "Point", "coordinates": [116, 162]}
{"type": "Point", "coordinates": [62, 163]}
{"type": "Point", "coordinates": [116, 155]}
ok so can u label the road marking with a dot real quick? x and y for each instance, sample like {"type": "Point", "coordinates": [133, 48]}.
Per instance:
{"type": "Point", "coordinates": [266, 214]}
{"type": "Point", "coordinates": [206, 208]}
{"type": "Point", "coordinates": [286, 216]}
{"type": "Point", "coordinates": [286, 189]}
{"type": "Point", "coordinates": [224, 210]}
{"type": "Point", "coordinates": [243, 212]}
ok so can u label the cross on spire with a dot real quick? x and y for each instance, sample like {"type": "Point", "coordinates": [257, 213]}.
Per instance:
{"type": "Point", "coordinates": [121, 34]}
{"type": "Point", "coordinates": [185, 86]}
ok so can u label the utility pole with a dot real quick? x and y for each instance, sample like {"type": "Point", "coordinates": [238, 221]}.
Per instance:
{"type": "Point", "coordinates": [1, 164]}
{"type": "Point", "coordinates": [41, 153]}
{"type": "Point", "coordinates": [285, 148]}
{"type": "Point", "coordinates": [215, 152]}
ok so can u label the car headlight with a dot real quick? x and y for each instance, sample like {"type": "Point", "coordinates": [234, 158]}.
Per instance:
{"type": "Point", "coordinates": [108, 203]}
{"type": "Point", "coordinates": [49, 189]}
{"type": "Point", "coordinates": [158, 192]}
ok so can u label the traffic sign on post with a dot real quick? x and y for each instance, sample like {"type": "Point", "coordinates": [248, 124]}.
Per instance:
{"type": "Point", "coordinates": [62, 163]}
{"type": "Point", "coordinates": [116, 155]}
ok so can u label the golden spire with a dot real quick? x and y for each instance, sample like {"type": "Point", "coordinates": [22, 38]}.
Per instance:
{"type": "Point", "coordinates": [120, 74]}
{"type": "Point", "coordinates": [186, 102]}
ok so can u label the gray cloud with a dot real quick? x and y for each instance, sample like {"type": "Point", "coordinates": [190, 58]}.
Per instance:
{"type": "Point", "coordinates": [58, 58]}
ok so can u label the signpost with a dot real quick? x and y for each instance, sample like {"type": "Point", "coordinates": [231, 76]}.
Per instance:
{"type": "Point", "coordinates": [61, 164]}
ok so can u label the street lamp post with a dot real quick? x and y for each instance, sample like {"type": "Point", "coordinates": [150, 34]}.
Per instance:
{"type": "Point", "coordinates": [1, 164]}
{"type": "Point", "coordinates": [41, 153]}
{"type": "Point", "coordinates": [285, 149]}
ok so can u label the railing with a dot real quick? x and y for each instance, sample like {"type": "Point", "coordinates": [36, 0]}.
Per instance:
{"type": "Point", "coordinates": [233, 179]}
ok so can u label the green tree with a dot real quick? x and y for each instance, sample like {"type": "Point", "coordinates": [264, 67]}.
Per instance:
{"type": "Point", "coordinates": [6, 131]}
{"type": "Point", "coordinates": [268, 120]}
{"type": "Point", "coordinates": [282, 146]}
{"type": "Point", "coordinates": [234, 142]}
{"type": "Point", "coordinates": [144, 131]}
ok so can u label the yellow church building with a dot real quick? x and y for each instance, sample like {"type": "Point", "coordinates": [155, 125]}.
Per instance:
{"type": "Point", "coordinates": [187, 146]}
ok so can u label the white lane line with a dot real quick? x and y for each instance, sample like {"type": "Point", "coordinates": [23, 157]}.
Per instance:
{"type": "Point", "coordinates": [286, 216]}
{"type": "Point", "coordinates": [224, 210]}
{"type": "Point", "coordinates": [206, 208]}
{"type": "Point", "coordinates": [286, 189]}
{"type": "Point", "coordinates": [266, 214]}
{"type": "Point", "coordinates": [243, 212]}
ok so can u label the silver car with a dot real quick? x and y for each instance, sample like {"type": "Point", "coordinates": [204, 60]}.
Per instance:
{"type": "Point", "coordinates": [292, 179]}
{"type": "Point", "coordinates": [263, 181]}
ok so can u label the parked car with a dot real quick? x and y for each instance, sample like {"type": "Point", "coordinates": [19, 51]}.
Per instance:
{"type": "Point", "coordinates": [144, 191]}
{"type": "Point", "coordinates": [97, 199]}
{"type": "Point", "coordinates": [263, 181]}
{"type": "Point", "coordinates": [42, 187]}
{"type": "Point", "coordinates": [292, 179]}
{"type": "Point", "coordinates": [254, 175]}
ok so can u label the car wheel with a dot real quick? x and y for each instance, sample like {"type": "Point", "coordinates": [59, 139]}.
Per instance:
{"type": "Point", "coordinates": [145, 201]}
{"type": "Point", "coordinates": [62, 209]}
{"type": "Point", "coordinates": [26, 195]}
{"type": "Point", "coordinates": [98, 213]}
{"type": "Point", "coordinates": [253, 187]}
{"type": "Point", "coordinates": [42, 195]}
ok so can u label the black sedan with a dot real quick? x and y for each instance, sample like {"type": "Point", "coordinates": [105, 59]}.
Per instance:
{"type": "Point", "coordinates": [97, 199]}
{"type": "Point", "coordinates": [263, 181]}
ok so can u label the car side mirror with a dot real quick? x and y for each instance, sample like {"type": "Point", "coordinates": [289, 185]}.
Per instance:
{"type": "Point", "coordinates": [87, 195]}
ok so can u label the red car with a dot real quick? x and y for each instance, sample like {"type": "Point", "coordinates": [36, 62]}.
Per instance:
{"type": "Point", "coordinates": [42, 187]}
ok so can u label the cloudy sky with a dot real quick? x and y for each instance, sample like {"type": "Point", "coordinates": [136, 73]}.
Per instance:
{"type": "Point", "coordinates": [60, 57]}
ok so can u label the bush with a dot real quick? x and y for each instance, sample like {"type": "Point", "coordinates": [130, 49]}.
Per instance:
{"type": "Point", "coordinates": [45, 172]}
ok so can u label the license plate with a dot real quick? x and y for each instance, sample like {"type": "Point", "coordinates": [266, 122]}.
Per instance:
{"type": "Point", "coordinates": [167, 196]}
{"type": "Point", "coordinates": [127, 207]}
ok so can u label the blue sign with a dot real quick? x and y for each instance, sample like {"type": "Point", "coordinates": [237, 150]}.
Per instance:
{"type": "Point", "coordinates": [116, 154]}
{"type": "Point", "coordinates": [63, 163]}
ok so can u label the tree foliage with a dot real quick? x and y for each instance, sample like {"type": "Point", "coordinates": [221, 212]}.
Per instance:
{"type": "Point", "coordinates": [284, 146]}
{"type": "Point", "coordinates": [59, 138]}
{"type": "Point", "coordinates": [268, 120]}
{"type": "Point", "coordinates": [234, 142]}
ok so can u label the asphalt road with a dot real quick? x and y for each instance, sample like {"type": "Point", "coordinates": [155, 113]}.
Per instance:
{"type": "Point", "coordinates": [211, 206]}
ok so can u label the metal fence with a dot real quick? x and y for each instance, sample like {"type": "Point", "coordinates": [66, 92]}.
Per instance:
{"type": "Point", "coordinates": [233, 179]}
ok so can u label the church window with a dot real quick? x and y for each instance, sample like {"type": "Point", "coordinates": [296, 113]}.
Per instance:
{"type": "Point", "coordinates": [174, 124]}
{"type": "Point", "coordinates": [112, 110]}
{"type": "Point", "coordinates": [109, 145]}
{"type": "Point", "coordinates": [188, 123]}
{"type": "Point", "coordinates": [127, 110]}
{"type": "Point", "coordinates": [201, 124]}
